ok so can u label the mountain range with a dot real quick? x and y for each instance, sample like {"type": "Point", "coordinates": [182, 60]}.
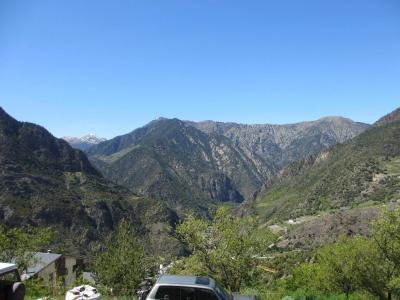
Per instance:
{"type": "Point", "coordinates": [334, 173]}
{"type": "Point", "coordinates": [191, 166]}
{"type": "Point", "coordinates": [45, 182]}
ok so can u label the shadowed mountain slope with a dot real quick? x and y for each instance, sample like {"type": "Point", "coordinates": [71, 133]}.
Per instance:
{"type": "Point", "coordinates": [45, 182]}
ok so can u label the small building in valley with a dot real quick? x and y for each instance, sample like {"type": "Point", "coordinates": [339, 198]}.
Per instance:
{"type": "Point", "coordinates": [52, 267]}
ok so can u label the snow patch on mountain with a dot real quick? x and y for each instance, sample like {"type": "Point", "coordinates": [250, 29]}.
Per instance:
{"type": "Point", "coordinates": [84, 142]}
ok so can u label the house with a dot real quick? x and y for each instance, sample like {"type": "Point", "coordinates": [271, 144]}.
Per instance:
{"type": "Point", "coordinates": [51, 267]}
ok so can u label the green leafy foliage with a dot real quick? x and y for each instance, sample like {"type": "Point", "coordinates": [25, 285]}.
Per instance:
{"type": "Point", "coordinates": [36, 288]}
{"type": "Point", "coordinates": [386, 238]}
{"type": "Point", "coordinates": [20, 244]}
{"type": "Point", "coordinates": [335, 268]}
{"type": "Point", "coordinates": [319, 295]}
{"type": "Point", "coordinates": [356, 264]}
{"type": "Point", "coordinates": [121, 266]}
{"type": "Point", "coordinates": [226, 248]}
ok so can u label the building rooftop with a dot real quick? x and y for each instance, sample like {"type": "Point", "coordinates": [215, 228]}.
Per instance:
{"type": "Point", "coordinates": [39, 261]}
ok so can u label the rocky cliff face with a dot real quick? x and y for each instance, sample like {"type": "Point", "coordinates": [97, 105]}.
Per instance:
{"type": "Point", "coordinates": [45, 182]}
{"type": "Point", "coordinates": [283, 144]}
{"type": "Point", "coordinates": [192, 165]}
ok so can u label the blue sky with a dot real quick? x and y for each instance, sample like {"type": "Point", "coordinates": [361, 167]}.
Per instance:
{"type": "Point", "coordinates": [79, 66]}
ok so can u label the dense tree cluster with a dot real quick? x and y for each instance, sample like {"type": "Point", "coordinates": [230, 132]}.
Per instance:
{"type": "Point", "coordinates": [20, 244]}
{"type": "Point", "coordinates": [364, 264]}
{"type": "Point", "coordinates": [120, 266]}
{"type": "Point", "coordinates": [226, 248]}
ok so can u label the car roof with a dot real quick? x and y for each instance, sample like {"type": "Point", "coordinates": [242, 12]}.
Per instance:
{"type": "Point", "coordinates": [186, 280]}
{"type": "Point", "coordinates": [7, 267]}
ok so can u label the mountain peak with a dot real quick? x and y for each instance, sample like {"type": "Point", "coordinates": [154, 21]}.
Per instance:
{"type": "Point", "coordinates": [334, 119]}
{"type": "Point", "coordinates": [4, 115]}
{"type": "Point", "coordinates": [92, 137]}
{"type": "Point", "coordinates": [84, 142]}
{"type": "Point", "coordinates": [391, 117]}
{"type": "Point", "coordinates": [161, 119]}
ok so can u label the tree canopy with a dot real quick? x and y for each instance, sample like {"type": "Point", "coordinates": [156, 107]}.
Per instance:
{"type": "Point", "coordinates": [120, 266]}
{"type": "Point", "coordinates": [365, 264]}
{"type": "Point", "coordinates": [20, 244]}
{"type": "Point", "coordinates": [225, 248]}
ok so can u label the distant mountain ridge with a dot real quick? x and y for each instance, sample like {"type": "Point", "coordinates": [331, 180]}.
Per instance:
{"type": "Point", "coordinates": [191, 165]}
{"type": "Point", "coordinates": [282, 144]}
{"type": "Point", "coordinates": [85, 142]}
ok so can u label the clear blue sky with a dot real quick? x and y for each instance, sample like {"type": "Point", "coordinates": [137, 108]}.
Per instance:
{"type": "Point", "coordinates": [79, 66]}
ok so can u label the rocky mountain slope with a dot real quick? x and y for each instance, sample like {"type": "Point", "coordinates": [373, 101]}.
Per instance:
{"type": "Point", "coordinates": [85, 142]}
{"type": "Point", "coordinates": [179, 164]}
{"type": "Point", "coordinates": [45, 182]}
{"type": "Point", "coordinates": [393, 116]}
{"type": "Point", "coordinates": [364, 171]}
{"type": "Point", "coordinates": [283, 144]}
{"type": "Point", "coordinates": [192, 165]}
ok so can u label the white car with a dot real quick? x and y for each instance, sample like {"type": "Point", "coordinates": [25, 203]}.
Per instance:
{"type": "Point", "coordinates": [174, 287]}
{"type": "Point", "coordinates": [11, 287]}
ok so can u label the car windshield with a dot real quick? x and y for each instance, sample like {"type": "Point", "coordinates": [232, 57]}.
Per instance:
{"type": "Point", "coordinates": [222, 293]}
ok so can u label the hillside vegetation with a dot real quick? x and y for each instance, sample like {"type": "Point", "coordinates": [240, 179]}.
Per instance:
{"type": "Point", "coordinates": [364, 171]}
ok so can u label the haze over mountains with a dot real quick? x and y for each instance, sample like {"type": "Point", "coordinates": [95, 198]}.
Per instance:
{"type": "Point", "coordinates": [191, 165]}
